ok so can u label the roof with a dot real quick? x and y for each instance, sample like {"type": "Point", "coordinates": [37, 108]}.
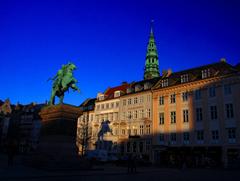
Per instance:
{"type": "Point", "coordinates": [194, 74]}
{"type": "Point", "coordinates": [88, 104]}
{"type": "Point", "coordinates": [237, 66]}
{"type": "Point", "coordinates": [109, 93]}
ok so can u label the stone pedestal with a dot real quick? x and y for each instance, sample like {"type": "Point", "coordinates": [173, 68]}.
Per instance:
{"type": "Point", "coordinates": [57, 145]}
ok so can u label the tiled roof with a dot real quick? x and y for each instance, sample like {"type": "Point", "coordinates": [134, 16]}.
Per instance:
{"type": "Point", "coordinates": [109, 93]}
{"type": "Point", "coordinates": [194, 74]}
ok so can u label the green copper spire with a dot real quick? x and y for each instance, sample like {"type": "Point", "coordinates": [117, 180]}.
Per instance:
{"type": "Point", "coordinates": [151, 69]}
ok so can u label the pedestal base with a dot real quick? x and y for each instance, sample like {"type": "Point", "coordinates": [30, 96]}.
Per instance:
{"type": "Point", "coordinates": [58, 135]}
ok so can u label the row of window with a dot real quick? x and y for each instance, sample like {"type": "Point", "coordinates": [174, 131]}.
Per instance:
{"type": "Point", "coordinates": [109, 116]}
{"type": "Point", "coordinates": [143, 130]}
{"type": "Point", "coordinates": [137, 114]}
{"type": "Point", "coordinates": [107, 106]}
{"type": "Point", "coordinates": [136, 100]}
{"type": "Point", "coordinates": [198, 94]}
{"type": "Point", "coordinates": [231, 132]}
{"type": "Point", "coordinates": [199, 114]}
{"type": "Point", "coordinates": [138, 146]}
{"type": "Point", "coordinates": [185, 77]}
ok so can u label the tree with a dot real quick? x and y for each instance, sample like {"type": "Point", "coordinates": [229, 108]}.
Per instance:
{"type": "Point", "coordinates": [83, 133]}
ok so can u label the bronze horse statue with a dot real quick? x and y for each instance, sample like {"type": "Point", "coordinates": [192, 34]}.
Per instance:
{"type": "Point", "coordinates": [62, 82]}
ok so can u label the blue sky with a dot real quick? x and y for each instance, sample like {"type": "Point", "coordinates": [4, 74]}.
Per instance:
{"type": "Point", "coordinates": [107, 41]}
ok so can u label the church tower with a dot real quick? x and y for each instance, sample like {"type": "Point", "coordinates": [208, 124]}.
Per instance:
{"type": "Point", "coordinates": [151, 69]}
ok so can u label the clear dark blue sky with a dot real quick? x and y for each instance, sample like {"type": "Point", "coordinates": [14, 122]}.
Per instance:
{"type": "Point", "coordinates": [107, 41]}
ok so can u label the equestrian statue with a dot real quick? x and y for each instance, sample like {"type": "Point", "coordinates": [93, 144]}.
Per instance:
{"type": "Point", "coordinates": [62, 82]}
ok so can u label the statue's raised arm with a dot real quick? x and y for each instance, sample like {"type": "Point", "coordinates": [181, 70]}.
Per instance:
{"type": "Point", "coordinates": [62, 82]}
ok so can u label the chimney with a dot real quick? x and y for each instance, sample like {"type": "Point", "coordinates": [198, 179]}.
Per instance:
{"type": "Point", "coordinates": [166, 73]}
{"type": "Point", "coordinates": [169, 72]}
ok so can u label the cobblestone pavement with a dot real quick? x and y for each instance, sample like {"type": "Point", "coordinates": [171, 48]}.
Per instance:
{"type": "Point", "coordinates": [113, 173]}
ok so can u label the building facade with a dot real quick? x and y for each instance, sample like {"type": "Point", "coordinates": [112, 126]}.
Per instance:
{"type": "Point", "coordinates": [107, 111]}
{"type": "Point", "coordinates": [196, 115]}
{"type": "Point", "coordinates": [188, 116]}
{"type": "Point", "coordinates": [84, 127]}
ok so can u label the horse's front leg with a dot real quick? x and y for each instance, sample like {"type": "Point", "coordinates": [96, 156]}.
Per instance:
{"type": "Point", "coordinates": [61, 99]}
{"type": "Point", "coordinates": [52, 99]}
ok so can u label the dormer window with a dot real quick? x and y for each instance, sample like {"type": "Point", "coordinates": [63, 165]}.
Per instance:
{"type": "Point", "coordinates": [129, 90]}
{"type": "Point", "coordinates": [147, 85]}
{"type": "Point", "coordinates": [184, 78]}
{"type": "Point", "coordinates": [100, 96]}
{"type": "Point", "coordinates": [117, 94]}
{"type": "Point", "coordinates": [206, 73]}
{"type": "Point", "coordinates": [164, 82]}
{"type": "Point", "coordinates": [138, 88]}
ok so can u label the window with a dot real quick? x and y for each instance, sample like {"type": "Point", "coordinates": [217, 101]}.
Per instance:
{"type": "Point", "coordinates": [141, 112]}
{"type": "Point", "coordinates": [141, 129]}
{"type": "Point", "coordinates": [128, 146]}
{"type": "Point", "coordinates": [161, 137]}
{"type": "Point", "coordinates": [213, 110]}
{"type": "Point", "coordinates": [184, 78]}
{"type": "Point", "coordinates": [129, 131]}
{"type": "Point", "coordinates": [164, 82]}
{"type": "Point", "coordinates": [205, 73]}
{"type": "Point", "coordinates": [161, 118]}
{"type": "Point", "coordinates": [186, 137]}
{"type": "Point", "coordinates": [199, 114]}
{"type": "Point", "coordinates": [135, 114]}
{"type": "Point", "coordinates": [173, 137]}
{"type": "Point", "coordinates": [117, 104]}
{"type": "Point", "coordinates": [148, 129]}
{"type": "Point", "coordinates": [198, 94]}
{"type": "Point", "coordinates": [135, 100]}
{"type": "Point", "coordinates": [141, 99]}
{"type": "Point", "coordinates": [148, 113]}
{"type": "Point", "coordinates": [185, 96]}
{"type": "Point", "coordinates": [129, 115]}
{"type": "Point", "coordinates": [173, 98]}
{"type": "Point", "coordinates": [135, 131]}
{"type": "Point", "coordinates": [148, 98]}
{"type": "Point", "coordinates": [102, 106]}
{"type": "Point", "coordinates": [200, 135]}
{"type": "Point", "coordinates": [107, 105]}
{"type": "Point", "coordinates": [116, 93]}
{"type": "Point", "coordinates": [112, 105]}
{"type": "Point", "coordinates": [229, 110]}
{"type": "Point", "coordinates": [215, 135]}
{"type": "Point", "coordinates": [212, 92]}
{"type": "Point", "coordinates": [185, 115]}
{"type": "Point", "coordinates": [173, 117]}
{"type": "Point", "coordinates": [232, 135]}
{"type": "Point", "coordinates": [101, 97]}
{"type": "Point", "coordinates": [129, 101]}
{"type": "Point", "coordinates": [134, 146]}
{"type": "Point", "coordinates": [124, 102]}
{"type": "Point", "coordinates": [227, 89]}
{"type": "Point", "coordinates": [148, 145]}
{"type": "Point", "coordinates": [98, 107]}
{"type": "Point", "coordinates": [161, 100]}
